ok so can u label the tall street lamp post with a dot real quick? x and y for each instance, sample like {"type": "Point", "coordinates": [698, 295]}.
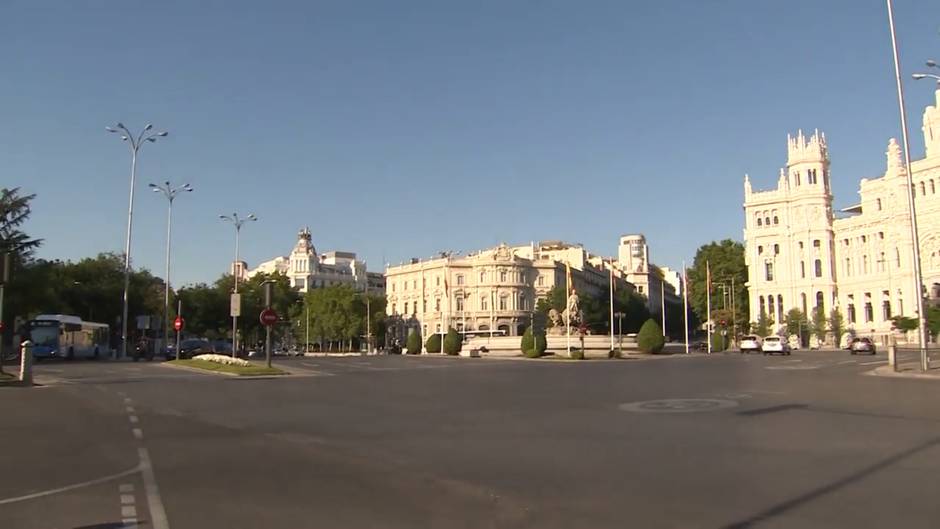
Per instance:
{"type": "Point", "coordinates": [170, 193]}
{"type": "Point", "coordinates": [915, 239]}
{"type": "Point", "coordinates": [237, 222]}
{"type": "Point", "coordinates": [135, 144]}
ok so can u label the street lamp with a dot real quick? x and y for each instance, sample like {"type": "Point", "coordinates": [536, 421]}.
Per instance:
{"type": "Point", "coordinates": [237, 222]}
{"type": "Point", "coordinates": [170, 193]}
{"type": "Point", "coordinates": [619, 316]}
{"type": "Point", "coordinates": [915, 237]}
{"type": "Point", "coordinates": [135, 145]}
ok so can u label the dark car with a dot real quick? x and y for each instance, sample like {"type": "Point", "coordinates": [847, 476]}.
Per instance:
{"type": "Point", "coordinates": [193, 347]}
{"type": "Point", "coordinates": [863, 345]}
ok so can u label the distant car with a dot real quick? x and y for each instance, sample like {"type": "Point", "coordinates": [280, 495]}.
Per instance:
{"type": "Point", "coordinates": [863, 345]}
{"type": "Point", "coordinates": [194, 347]}
{"type": "Point", "coordinates": [700, 346]}
{"type": "Point", "coordinates": [775, 345]}
{"type": "Point", "coordinates": [222, 347]}
{"type": "Point", "coordinates": [750, 343]}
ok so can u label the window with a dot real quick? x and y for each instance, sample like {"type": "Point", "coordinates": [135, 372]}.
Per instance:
{"type": "Point", "coordinates": [770, 306]}
{"type": "Point", "coordinates": [847, 269]}
{"type": "Point", "coordinates": [802, 268]}
{"type": "Point", "coordinates": [767, 221]}
{"type": "Point", "coordinates": [776, 249]}
{"type": "Point", "coordinates": [760, 222]}
{"type": "Point", "coordinates": [816, 243]}
{"type": "Point", "coordinates": [864, 264]}
{"type": "Point", "coordinates": [502, 276]}
{"type": "Point", "coordinates": [459, 303]}
{"type": "Point", "coordinates": [414, 283]}
{"type": "Point", "coordinates": [760, 250]}
{"type": "Point", "coordinates": [539, 281]}
{"type": "Point", "coordinates": [484, 305]}
{"type": "Point", "coordinates": [796, 177]}
{"type": "Point", "coordinates": [521, 303]}
{"type": "Point", "coordinates": [817, 264]}
{"type": "Point", "coordinates": [459, 279]}
{"type": "Point", "coordinates": [503, 302]}
{"type": "Point", "coordinates": [820, 302]}
{"type": "Point", "coordinates": [881, 235]}
{"type": "Point", "coordinates": [780, 305]}
{"type": "Point", "coordinates": [393, 287]}
{"type": "Point", "coordinates": [437, 281]}
{"type": "Point", "coordinates": [406, 308]}
{"type": "Point", "coordinates": [811, 176]}
{"type": "Point", "coordinates": [897, 257]}
{"type": "Point", "coordinates": [300, 283]}
{"type": "Point", "coordinates": [801, 245]}
{"type": "Point", "coordinates": [886, 310]}
{"type": "Point", "coordinates": [850, 313]}
{"type": "Point", "coordinates": [404, 285]}
{"type": "Point", "coordinates": [424, 305]}
{"type": "Point", "coordinates": [437, 305]}
{"type": "Point", "coordinates": [762, 309]}
{"type": "Point", "coordinates": [933, 189]}
{"type": "Point", "coordinates": [776, 220]}
{"type": "Point", "coordinates": [482, 277]}
{"type": "Point", "coordinates": [869, 313]}
{"type": "Point", "coordinates": [768, 270]}
{"type": "Point", "coordinates": [923, 189]}
{"type": "Point", "coordinates": [803, 300]}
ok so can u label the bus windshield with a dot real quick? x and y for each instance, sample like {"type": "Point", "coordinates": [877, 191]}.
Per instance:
{"type": "Point", "coordinates": [45, 336]}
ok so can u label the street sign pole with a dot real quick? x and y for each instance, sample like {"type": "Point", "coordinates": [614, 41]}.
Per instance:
{"type": "Point", "coordinates": [4, 277]}
{"type": "Point", "coordinates": [267, 326]}
{"type": "Point", "coordinates": [178, 325]}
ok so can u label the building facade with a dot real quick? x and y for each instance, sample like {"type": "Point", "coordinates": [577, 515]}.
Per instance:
{"type": "Point", "coordinates": [307, 270]}
{"type": "Point", "coordinates": [633, 260]}
{"type": "Point", "coordinates": [494, 290]}
{"type": "Point", "coordinates": [802, 254]}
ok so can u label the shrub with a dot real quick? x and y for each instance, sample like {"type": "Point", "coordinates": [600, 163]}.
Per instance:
{"type": "Point", "coordinates": [452, 342]}
{"type": "Point", "coordinates": [718, 343]}
{"type": "Point", "coordinates": [433, 345]}
{"type": "Point", "coordinates": [413, 343]}
{"type": "Point", "coordinates": [650, 338]}
{"type": "Point", "coordinates": [222, 359]}
{"type": "Point", "coordinates": [533, 344]}
{"type": "Point", "coordinates": [577, 354]}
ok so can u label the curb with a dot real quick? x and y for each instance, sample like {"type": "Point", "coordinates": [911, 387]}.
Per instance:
{"type": "Point", "coordinates": [197, 370]}
{"type": "Point", "coordinates": [888, 371]}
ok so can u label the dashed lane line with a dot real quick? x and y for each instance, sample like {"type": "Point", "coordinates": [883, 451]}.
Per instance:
{"type": "Point", "coordinates": [74, 486]}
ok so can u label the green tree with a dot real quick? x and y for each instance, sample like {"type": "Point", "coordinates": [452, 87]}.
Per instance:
{"type": "Point", "coordinates": [905, 323]}
{"type": "Point", "coordinates": [726, 261]}
{"type": "Point", "coordinates": [433, 345]}
{"type": "Point", "coordinates": [413, 342]}
{"type": "Point", "coordinates": [14, 211]}
{"type": "Point", "coordinates": [795, 321]}
{"type": "Point", "coordinates": [452, 342]}
{"type": "Point", "coordinates": [836, 325]}
{"type": "Point", "coordinates": [763, 324]}
{"type": "Point", "coordinates": [819, 324]}
{"type": "Point", "coordinates": [933, 321]}
{"type": "Point", "coordinates": [650, 339]}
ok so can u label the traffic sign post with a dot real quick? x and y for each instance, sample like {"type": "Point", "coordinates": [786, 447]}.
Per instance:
{"type": "Point", "coordinates": [268, 318]}
{"type": "Point", "coordinates": [178, 324]}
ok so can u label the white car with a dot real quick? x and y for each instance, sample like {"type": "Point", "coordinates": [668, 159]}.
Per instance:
{"type": "Point", "coordinates": [750, 343]}
{"type": "Point", "coordinates": [775, 345]}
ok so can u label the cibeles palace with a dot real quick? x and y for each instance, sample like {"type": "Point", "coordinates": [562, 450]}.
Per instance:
{"type": "Point", "coordinates": [802, 254]}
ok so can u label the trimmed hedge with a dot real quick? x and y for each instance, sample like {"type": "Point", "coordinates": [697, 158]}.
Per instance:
{"type": "Point", "coordinates": [413, 343]}
{"type": "Point", "coordinates": [577, 354]}
{"type": "Point", "coordinates": [533, 345]}
{"type": "Point", "coordinates": [650, 339]}
{"type": "Point", "coordinates": [433, 345]}
{"type": "Point", "coordinates": [452, 342]}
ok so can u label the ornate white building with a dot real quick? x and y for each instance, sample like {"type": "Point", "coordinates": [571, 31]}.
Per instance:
{"type": "Point", "coordinates": [801, 254]}
{"type": "Point", "coordinates": [307, 270]}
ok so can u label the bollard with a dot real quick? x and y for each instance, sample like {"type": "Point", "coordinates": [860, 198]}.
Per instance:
{"type": "Point", "coordinates": [26, 363]}
{"type": "Point", "coordinates": [893, 356]}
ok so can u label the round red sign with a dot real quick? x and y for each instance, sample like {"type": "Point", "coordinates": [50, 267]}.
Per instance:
{"type": "Point", "coordinates": [178, 323]}
{"type": "Point", "coordinates": [268, 317]}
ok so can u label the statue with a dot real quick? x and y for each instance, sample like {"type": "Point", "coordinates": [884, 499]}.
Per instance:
{"type": "Point", "coordinates": [559, 320]}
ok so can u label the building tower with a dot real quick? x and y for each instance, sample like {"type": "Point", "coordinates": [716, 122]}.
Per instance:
{"type": "Point", "coordinates": [789, 237]}
{"type": "Point", "coordinates": [931, 127]}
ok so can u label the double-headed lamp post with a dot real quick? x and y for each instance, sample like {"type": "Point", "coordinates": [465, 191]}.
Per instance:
{"type": "Point", "coordinates": [170, 193]}
{"type": "Point", "coordinates": [237, 222]}
{"type": "Point", "coordinates": [135, 143]}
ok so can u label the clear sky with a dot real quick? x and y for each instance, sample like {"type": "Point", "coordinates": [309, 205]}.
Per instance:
{"type": "Point", "coordinates": [399, 129]}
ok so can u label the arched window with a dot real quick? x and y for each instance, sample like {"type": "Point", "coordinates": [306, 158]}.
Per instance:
{"type": "Point", "coordinates": [503, 302]}
{"type": "Point", "coordinates": [933, 188]}
{"type": "Point", "coordinates": [776, 249]}
{"type": "Point", "coordinates": [763, 310]}
{"type": "Point", "coordinates": [796, 177]}
{"type": "Point", "coordinates": [484, 305]}
{"type": "Point", "coordinates": [482, 277]}
{"type": "Point", "coordinates": [886, 310]}
{"type": "Point", "coordinates": [760, 250]}
{"type": "Point", "coordinates": [878, 203]}
{"type": "Point", "coordinates": [406, 308]}
{"type": "Point", "coordinates": [923, 189]}
{"type": "Point", "coordinates": [767, 221]}
{"type": "Point", "coordinates": [820, 302]}
{"type": "Point", "coordinates": [502, 276]}
{"type": "Point", "coordinates": [780, 306]}
{"type": "Point", "coordinates": [770, 306]}
{"type": "Point", "coordinates": [776, 220]}
{"type": "Point", "coordinates": [803, 300]}
{"type": "Point", "coordinates": [817, 264]}
{"type": "Point", "coordinates": [760, 222]}
{"type": "Point", "coordinates": [850, 313]}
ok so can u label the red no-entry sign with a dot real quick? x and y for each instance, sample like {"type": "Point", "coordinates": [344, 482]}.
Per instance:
{"type": "Point", "coordinates": [268, 317]}
{"type": "Point", "coordinates": [178, 323]}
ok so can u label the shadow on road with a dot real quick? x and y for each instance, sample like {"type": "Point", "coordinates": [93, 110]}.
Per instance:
{"type": "Point", "coordinates": [830, 487]}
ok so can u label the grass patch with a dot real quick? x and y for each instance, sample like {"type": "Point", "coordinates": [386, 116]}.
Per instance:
{"type": "Point", "coordinates": [9, 379]}
{"type": "Point", "coordinates": [252, 370]}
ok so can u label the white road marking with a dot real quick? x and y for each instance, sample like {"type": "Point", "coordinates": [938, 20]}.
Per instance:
{"type": "Point", "coordinates": [128, 511]}
{"type": "Point", "coordinates": [129, 522]}
{"type": "Point", "coordinates": [873, 363]}
{"type": "Point", "coordinates": [126, 487]}
{"type": "Point", "coordinates": [127, 499]}
{"type": "Point", "coordinates": [845, 362]}
{"type": "Point", "coordinates": [138, 433]}
{"type": "Point", "coordinates": [67, 488]}
{"type": "Point", "coordinates": [158, 517]}
{"type": "Point", "coordinates": [127, 400]}
{"type": "Point", "coordinates": [133, 419]}
{"type": "Point", "coordinates": [130, 409]}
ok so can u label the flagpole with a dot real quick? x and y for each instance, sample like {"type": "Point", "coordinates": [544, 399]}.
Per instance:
{"type": "Point", "coordinates": [567, 308]}
{"type": "Point", "coordinates": [708, 304]}
{"type": "Point", "coordinates": [611, 308]}
{"type": "Point", "coordinates": [685, 305]}
{"type": "Point", "coordinates": [662, 302]}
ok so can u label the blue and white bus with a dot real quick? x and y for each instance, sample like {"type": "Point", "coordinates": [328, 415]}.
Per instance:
{"type": "Point", "coordinates": [65, 336]}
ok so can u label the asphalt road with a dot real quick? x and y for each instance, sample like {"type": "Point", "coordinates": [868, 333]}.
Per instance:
{"type": "Point", "coordinates": [402, 442]}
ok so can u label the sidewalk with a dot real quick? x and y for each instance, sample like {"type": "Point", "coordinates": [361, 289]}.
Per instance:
{"type": "Point", "coordinates": [909, 370]}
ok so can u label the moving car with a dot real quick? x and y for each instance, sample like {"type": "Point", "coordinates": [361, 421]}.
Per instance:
{"type": "Point", "coordinates": [863, 345]}
{"type": "Point", "coordinates": [775, 345]}
{"type": "Point", "coordinates": [750, 343]}
{"type": "Point", "coordinates": [192, 347]}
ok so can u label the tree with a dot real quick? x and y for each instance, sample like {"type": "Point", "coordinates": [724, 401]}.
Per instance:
{"type": "Point", "coordinates": [726, 261]}
{"type": "Point", "coordinates": [763, 324]}
{"type": "Point", "coordinates": [14, 211]}
{"type": "Point", "coordinates": [905, 323]}
{"type": "Point", "coordinates": [413, 343]}
{"type": "Point", "coordinates": [650, 339]}
{"type": "Point", "coordinates": [452, 342]}
{"type": "Point", "coordinates": [836, 325]}
{"type": "Point", "coordinates": [818, 324]}
{"type": "Point", "coordinates": [433, 345]}
{"type": "Point", "coordinates": [933, 321]}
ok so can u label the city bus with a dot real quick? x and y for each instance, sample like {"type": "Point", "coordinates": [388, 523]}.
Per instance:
{"type": "Point", "coordinates": [65, 336]}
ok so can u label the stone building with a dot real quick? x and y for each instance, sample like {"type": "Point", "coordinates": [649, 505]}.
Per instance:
{"type": "Point", "coordinates": [802, 254]}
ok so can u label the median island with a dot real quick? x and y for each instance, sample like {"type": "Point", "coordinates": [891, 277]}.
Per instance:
{"type": "Point", "coordinates": [226, 365]}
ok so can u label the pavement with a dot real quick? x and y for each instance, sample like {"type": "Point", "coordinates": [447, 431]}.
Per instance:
{"type": "Point", "coordinates": [719, 441]}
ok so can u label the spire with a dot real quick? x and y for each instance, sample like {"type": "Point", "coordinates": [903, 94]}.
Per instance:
{"type": "Point", "coordinates": [895, 160]}
{"type": "Point", "coordinates": [747, 184]}
{"type": "Point", "coordinates": [782, 179]}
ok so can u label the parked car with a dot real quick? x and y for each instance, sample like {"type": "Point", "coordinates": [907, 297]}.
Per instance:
{"type": "Point", "coordinates": [750, 343]}
{"type": "Point", "coordinates": [863, 345]}
{"type": "Point", "coordinates": [192, 347]}
{"type": "Point", "coordinates": [775, 345]}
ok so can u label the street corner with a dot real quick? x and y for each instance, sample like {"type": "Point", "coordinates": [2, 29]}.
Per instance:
{"type": "Point", "coordinates": [910, 372]}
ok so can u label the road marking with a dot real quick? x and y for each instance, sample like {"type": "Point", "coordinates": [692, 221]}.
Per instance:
{"type": "Point", "coordinates": [158, 517]}
{"type": "Point", "coordinates": [127, 499]}
{"type": "Point", "coordinates": [133, 419]}
{"type": "Point", "coordinates": [130, 409]}
{"type": "Point", "coordinates": [678, 405]}
{"type": "Point", "coordinates": [138, 433]}
{"type": "Point", "coordinates": [67, 488]}
{"type": "Point", "coordinates": [129, 522]}
{"type": "Point", "coordinates": [842, 363]}
{"type": "Point", "coordinates": [126, 487]}
{"type": "Point", "coordinates": [128, 511]}
{"type": "Point", "coordinates": [873, 363]}
{"type": "Point", "coordinates": [127, 400]}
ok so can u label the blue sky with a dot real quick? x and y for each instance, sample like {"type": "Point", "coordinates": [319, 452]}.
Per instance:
{"type": "Point", "coordinates": [399, 129]}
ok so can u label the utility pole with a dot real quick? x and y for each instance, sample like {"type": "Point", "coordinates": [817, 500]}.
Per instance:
{"type": "Point", "coordinates": [4, 277]}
